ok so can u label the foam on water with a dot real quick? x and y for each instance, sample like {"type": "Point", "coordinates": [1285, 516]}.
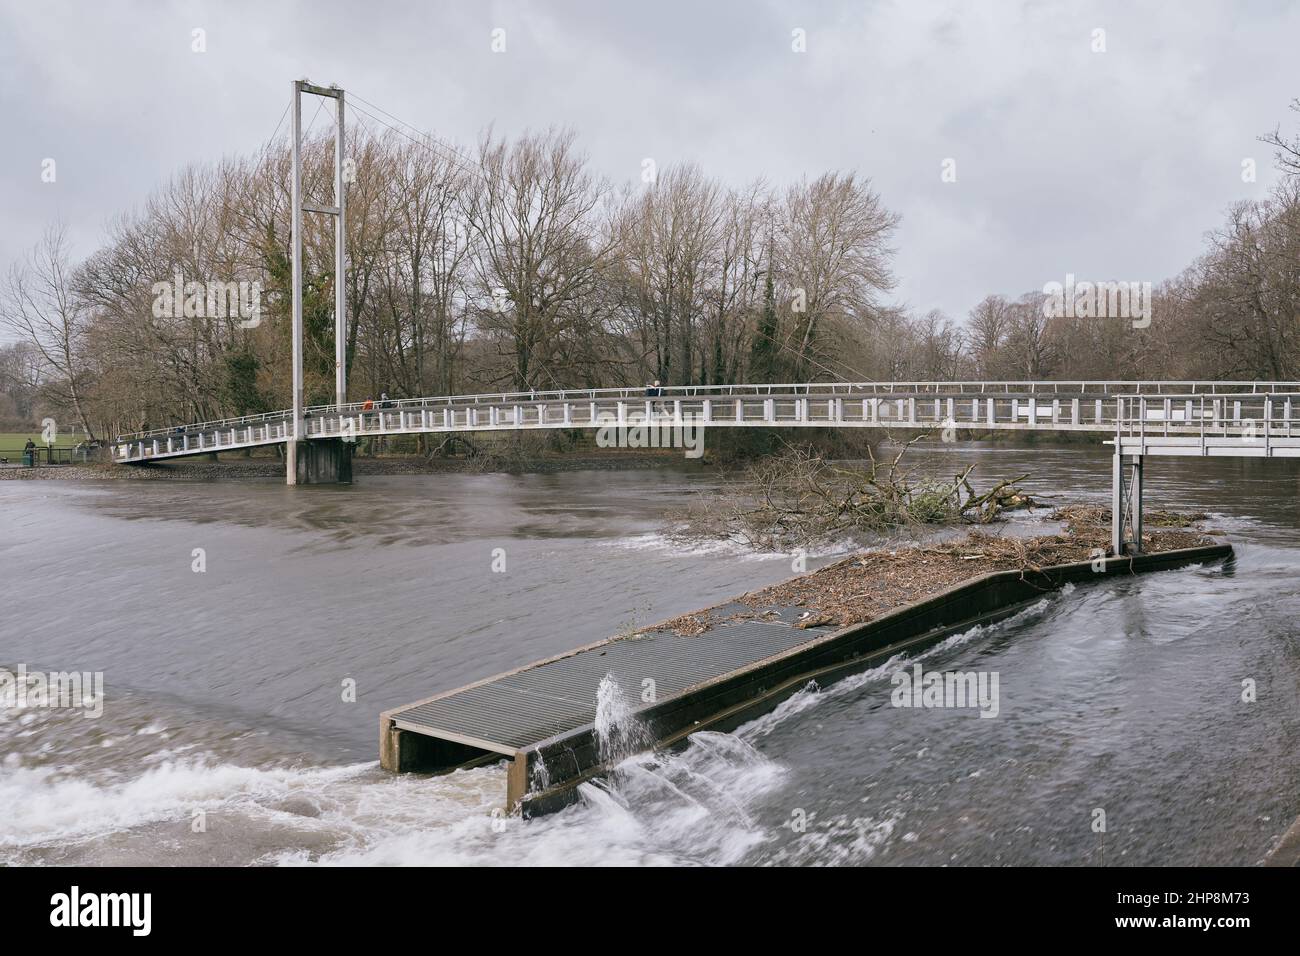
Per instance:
{"type": "Point", "coordinates": [659, 542]}
{"type": "Point", "coordinates": [692, 806]}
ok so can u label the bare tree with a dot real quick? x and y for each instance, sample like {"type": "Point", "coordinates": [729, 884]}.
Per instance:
{"type": "Point", "coordinates": [990, 327]}
{"type": "Point", "coordinates": [833, 255]}
{"type": "Point", "coordinates": [669, 240]}
{"type": "Point", "coordinates": [41, 306]}
{"type": "Point", "coordinates": [532, 213]}
{"type": "Point", "coordinates": [1288, 151]}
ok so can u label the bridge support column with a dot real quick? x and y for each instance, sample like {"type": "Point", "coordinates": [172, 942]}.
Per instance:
{"type": "Point", "coordinates": [1126, 504]}
{"type": "Point", "coordinates": [318, 461]}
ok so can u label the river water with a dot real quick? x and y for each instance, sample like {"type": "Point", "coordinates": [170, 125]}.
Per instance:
{"type": "Point", "coordinates": [229, 735]}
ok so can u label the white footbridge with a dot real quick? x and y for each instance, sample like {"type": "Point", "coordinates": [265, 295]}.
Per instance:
{"type": "Point", "coordinates": [1196, 418]}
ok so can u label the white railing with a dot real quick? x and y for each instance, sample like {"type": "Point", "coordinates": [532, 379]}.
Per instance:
{"type": "Point", "coordinates": [1215, 409]}
{"type": "Point", "coordinates": [846, 389]}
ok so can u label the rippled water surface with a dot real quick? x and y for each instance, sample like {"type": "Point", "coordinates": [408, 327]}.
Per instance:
{"type": "Point", "coordinates": [225, 710]}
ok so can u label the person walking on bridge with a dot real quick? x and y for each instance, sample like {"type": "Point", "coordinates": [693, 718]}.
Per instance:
{"type": "Point", "coordinates": [654, 391]}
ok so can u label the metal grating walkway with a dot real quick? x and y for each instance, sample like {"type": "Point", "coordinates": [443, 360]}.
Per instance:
{"type": "Point", "coordinates": [514, 710]}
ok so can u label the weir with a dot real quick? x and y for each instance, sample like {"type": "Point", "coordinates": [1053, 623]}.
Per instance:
{"type": "Point", "coordinates": [543, 718]}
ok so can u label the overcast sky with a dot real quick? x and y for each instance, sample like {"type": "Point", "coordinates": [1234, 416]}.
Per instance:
{"type": "Point", "coordinates": [1109, 165]}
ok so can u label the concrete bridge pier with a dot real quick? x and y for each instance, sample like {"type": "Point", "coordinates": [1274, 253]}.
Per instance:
{"type": "Point", "coordinates": [318, 461]}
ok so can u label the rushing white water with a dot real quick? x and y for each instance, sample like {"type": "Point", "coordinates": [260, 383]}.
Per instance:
{"type": "Point", "coordinates": [696, 804]}
{"type": "Point", "coordinates": [619, 732]}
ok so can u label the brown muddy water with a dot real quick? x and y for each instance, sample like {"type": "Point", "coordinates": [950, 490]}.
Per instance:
{"type": "Point", "coordinates": [227, 737]}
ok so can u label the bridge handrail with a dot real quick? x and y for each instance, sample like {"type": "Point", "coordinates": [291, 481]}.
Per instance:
{"type": "Point", "coordinates": [1165, 389]}
{"type": "Point", "coordinates": [219, 423]}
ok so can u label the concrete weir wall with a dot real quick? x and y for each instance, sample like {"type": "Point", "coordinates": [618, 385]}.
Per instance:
{"type": "Point", "coordinates": [318, 461]}
{"type": "Point", "coordinates": [735, 697]}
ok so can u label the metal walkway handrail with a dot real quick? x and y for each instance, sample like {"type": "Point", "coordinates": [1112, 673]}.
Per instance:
{"type": "Point", "coordinates": [1166, 418]}
{"type": "Point", "coordinates": [955, 389]}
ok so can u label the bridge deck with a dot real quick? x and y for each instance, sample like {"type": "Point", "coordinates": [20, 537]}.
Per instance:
{"type": "Point", "coordinates": [1205, 418]}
